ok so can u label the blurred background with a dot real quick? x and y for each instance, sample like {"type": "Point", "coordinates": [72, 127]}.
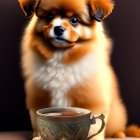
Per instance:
{"type": "Point", "coordinates": [123, 26]}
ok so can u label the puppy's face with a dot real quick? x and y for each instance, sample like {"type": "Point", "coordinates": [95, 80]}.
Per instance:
{"type": "Point", "coordinates": [63, 28]}
{"type": "Point", "coordinates": [65, 23]}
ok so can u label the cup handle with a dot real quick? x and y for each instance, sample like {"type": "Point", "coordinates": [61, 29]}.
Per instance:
{"type": "Point", "coordinates": [93, 121]}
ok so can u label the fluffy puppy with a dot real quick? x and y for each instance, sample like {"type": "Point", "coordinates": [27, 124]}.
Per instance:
{"type": "Point", "coordinates": [66, 60]}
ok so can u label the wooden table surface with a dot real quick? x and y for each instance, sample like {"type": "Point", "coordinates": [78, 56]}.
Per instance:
{"type": "Point", "coordinates": [28, 136]}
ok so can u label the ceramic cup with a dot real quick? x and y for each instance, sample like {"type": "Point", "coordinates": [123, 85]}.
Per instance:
{"type": "Point", "coordinates": [68, 123]}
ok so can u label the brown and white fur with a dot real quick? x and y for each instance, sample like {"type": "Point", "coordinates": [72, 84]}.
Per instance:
{"type": "Point", "coordinates": [75, 70]}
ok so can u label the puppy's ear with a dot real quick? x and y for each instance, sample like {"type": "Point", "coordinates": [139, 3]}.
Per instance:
{"type": "Point", "coordinates": [27, 6]}
{"type": "Point", "coordinates": [100, 9]}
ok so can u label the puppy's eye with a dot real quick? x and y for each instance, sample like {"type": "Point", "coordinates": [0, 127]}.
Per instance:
{"type": "Point", "coordinates": [74, 21]}
{"type": "Point", "coordinates": [49, 18]}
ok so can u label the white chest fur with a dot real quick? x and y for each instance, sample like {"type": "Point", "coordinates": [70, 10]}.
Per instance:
{"type": "Point", "coordinates": [58, 77]}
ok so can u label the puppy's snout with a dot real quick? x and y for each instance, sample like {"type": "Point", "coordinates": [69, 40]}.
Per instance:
{"type": "Point", "coordinates": [59, 30]}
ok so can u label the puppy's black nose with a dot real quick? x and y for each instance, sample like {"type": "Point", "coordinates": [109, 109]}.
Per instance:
{"type": "Point", "coordinates": [59, 30]}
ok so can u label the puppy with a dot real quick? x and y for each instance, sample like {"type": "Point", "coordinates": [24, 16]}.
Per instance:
{"type": "Point", "coordinates": [66, 60]}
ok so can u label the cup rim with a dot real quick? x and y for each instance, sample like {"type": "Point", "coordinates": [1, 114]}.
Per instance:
{"type": "Point", "coordinates": [76, 109]}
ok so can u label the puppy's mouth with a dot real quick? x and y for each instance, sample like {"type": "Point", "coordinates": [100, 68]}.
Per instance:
{"type": "Point", "coordinates": [61, 42]}
{"type": "Point", "coordinates": [60, 39]}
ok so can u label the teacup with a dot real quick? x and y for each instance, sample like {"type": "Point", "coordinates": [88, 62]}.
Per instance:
{"type": "Point", "coordinates": [68, 123]}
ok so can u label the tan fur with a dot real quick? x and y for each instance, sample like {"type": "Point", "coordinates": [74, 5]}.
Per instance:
{"type": "Point", "coordinates": [133, 131]}
{"type": "Point", "coordinates": [75, 54]}
{"type": "Point", "coordinates": [27, 6]}
{"type": "Point", "coordinates": [99, 92]}
{"type": "Point", "coordinates": [106, 5]}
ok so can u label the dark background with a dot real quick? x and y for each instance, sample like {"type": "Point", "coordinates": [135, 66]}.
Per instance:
{"type": "Point", "coordinates": [124, 28]}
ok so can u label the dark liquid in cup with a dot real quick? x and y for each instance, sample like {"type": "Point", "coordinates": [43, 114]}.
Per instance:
{"type": "Point", "coordinates": [64, 113]}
